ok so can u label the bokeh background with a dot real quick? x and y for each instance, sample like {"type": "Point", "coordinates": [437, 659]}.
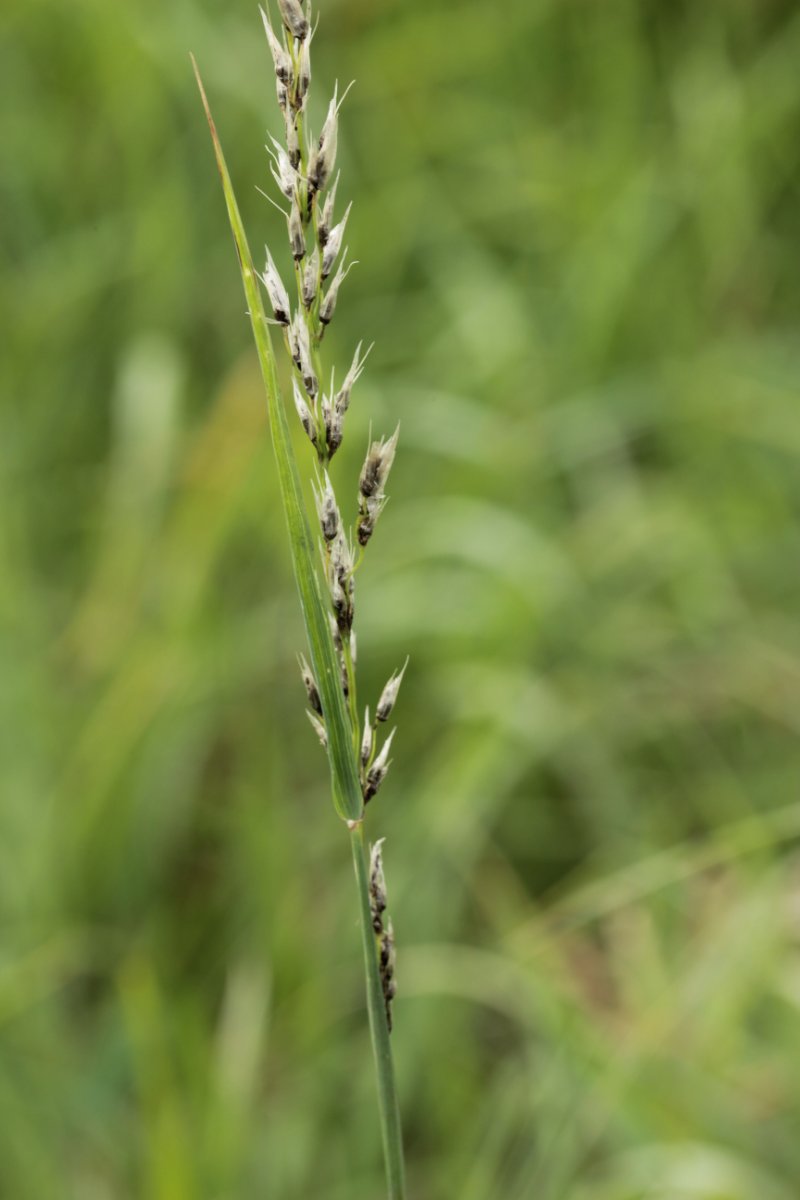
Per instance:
{"type": "Point", "coordinates": [577, 226]}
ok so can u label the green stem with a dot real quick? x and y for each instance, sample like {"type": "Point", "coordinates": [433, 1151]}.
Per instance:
{"type": "Point", "coordinates": [379, 1030]}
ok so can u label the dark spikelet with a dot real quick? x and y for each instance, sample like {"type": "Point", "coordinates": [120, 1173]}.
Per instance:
{"type": "Point", "coordinates": [310, 684]}
{"type": "Point", "coordinates": [382, 928]}
{"type": "Point", "coordinates": [294, 18]}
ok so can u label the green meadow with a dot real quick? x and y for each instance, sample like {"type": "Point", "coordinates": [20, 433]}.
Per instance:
{"type": "Point", "coordinates": [577, 226]}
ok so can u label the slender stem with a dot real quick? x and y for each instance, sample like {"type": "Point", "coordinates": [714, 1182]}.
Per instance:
{"type": "Point", "coordinates": [379, 1030]}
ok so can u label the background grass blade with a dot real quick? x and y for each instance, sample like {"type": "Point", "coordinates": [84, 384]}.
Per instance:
{"type": "Point", "coordinates": [344, 772]}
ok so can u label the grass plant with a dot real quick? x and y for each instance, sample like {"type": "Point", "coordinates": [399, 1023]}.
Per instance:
{"type": "Point", "coordinates": [325, 568]}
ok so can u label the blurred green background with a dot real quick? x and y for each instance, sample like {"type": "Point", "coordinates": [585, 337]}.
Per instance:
{"type": "Point", "coordinates": [577, 226]}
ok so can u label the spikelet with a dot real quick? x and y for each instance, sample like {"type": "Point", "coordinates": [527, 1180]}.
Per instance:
{"type": "Point", "coordinates": [382, 928]}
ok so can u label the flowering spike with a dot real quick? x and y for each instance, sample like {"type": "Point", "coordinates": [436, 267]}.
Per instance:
{"type": "Point", "coordinates": [305, 171]}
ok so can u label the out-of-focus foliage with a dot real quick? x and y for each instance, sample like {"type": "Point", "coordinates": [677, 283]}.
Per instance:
{"type": "Point", "coordinates": [577, 226]}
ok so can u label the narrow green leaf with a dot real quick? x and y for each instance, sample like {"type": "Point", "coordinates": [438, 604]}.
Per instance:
{"type": "Point", "coordinates": [341, 749]}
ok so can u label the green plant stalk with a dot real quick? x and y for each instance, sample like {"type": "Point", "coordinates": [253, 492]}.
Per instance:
{"type": "Point", "coordinates": [379, 1030]}
{"type": "Point", "coordinates": [342, 752]}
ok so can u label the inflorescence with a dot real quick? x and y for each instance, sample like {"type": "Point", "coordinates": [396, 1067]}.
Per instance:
{"type": "Point", "coordinates": [303, 169]}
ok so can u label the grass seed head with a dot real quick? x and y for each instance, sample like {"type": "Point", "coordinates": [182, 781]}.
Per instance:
{"type": "Point", "coordinates": [322, 416]}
